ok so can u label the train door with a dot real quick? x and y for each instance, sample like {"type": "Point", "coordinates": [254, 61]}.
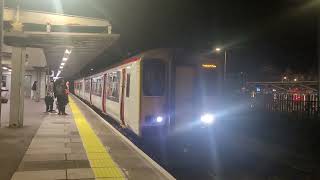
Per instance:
{"type": "Point", "coordinates": [104, 93]}
{"type": "Point", "coordinates": [122, 96]}
{"type": "Point", "coordinates": [184, 93]}
{"type": "Point", "coordinates": [90, 90]}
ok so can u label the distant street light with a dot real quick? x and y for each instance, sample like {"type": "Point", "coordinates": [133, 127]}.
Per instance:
{"type": "Point", "coordinates": [295, 79]}
{"type": "Point", "coordinates": [225, 62]}
{"type": "Point", "coordinates": [285, 78]}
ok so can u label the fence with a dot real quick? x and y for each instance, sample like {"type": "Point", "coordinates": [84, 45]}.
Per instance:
{"type": "Point", "coordinates": [306, 104]}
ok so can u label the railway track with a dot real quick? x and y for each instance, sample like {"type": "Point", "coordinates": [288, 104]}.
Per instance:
{"type": "Point", "coordinates": [236, 160]}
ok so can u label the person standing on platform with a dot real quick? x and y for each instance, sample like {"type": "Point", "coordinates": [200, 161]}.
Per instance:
{"type": "Point", "coordinates": [49, 100]}
{"type": "Point", "coordinates": [34, 89]}
{"type": "Point", "coordinates": [60, 92]}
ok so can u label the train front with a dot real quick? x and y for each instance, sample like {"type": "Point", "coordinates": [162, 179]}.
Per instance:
{"type": "Point", "coordinates": [182, 99]}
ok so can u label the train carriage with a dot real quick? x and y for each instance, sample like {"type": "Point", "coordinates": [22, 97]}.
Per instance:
{"type": "Point", "coordinates": [161, 89]}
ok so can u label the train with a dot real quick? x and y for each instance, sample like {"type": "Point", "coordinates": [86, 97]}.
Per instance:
{"type": "Point", "coordinates": [166, 90]}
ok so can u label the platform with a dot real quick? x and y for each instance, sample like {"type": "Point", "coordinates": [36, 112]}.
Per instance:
{"type": "Point", "coordinates": [14, 142]}
{"type": "Point", "coordinates": [81, 145]}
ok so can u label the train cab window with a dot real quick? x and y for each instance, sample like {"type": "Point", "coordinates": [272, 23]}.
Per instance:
{"type": "Point", "coordinates": [153, 78]}
{"type": "Point", "coordinates": [128, 86]}
{"type": "Point", "coordinates": [209, 82]}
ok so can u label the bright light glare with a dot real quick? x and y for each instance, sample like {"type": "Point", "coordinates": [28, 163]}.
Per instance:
{"type": "Point", "coordinates": [68, 51]}
{"type": "Point", "coordinates": [208, 118]}
{"type": "Point", "coordinates": [64, 59]}
{"type": "Point", "coordinates": [9, 70]}
{"type": "Point", "coordinates": [59, 72]}
{"type": "Point", "coordinates": [62, 64]}
{"type": "Point", "coordinates": [159, 119]}
{"type": "Point", "coordinates": [5, 68]}
{"type": "Point", "coordinates": [61, 67]}
{"type": "Point", "coordinates": [209, 66]}
{"type": "Point", "coordinates": [218, 49]}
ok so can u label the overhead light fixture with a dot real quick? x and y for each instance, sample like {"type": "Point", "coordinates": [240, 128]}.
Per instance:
{"type": "Point", "coordinates": [64, 59]}
{"type": "Point", "coordinates": [59, 72]}
{"type": "Point", "coordinates": [9, 70]}
{"type": "Point", "coordinates": [68, 51]}
{"type": "Point", "coordinates": [61, 67]}
{"type": "Point", "coordinates": [5, 68]}
{"type": "Point", "coordinates": [62, 64]}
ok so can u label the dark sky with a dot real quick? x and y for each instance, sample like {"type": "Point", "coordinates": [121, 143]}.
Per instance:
{"type": "Point", "coordinates": [274, 33]}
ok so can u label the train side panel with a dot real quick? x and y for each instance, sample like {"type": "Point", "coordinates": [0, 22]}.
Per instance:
{"type": "Point", "coordinates": [132, 97]}
{"type": "Point", "coordinates": [76, 88]}
{"type": "Point", "coordinates": [81, 90]}
{"type": "Point", "coordinates": [112, 91]}
{"type": "Point", "coordinates": [96, 91]}
{"type": "Point", "coordinates": [87, 89]}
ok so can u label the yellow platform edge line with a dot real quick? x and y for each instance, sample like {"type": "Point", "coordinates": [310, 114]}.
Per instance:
{"type": "Point", "coordinates": [88, 137]}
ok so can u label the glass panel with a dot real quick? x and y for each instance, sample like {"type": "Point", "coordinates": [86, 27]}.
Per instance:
{"type": "Point", "coordinates": [153, 78]}
{"type": "Point", "coordinates": [87, 86]}
{"type": "Point", "coordinates": [209, 82]}
{"type": "Point", "coordinates": [113, 86]}
{"type": "Point", "coordinates": [128, 86]}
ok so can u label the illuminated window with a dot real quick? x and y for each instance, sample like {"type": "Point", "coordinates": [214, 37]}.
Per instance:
{"type": "Point", "coordinates": [87, 84]}
{"type": "Point", "coordinates": [113, 86]}
{"type": "Point", "coordinates": [209, 66]}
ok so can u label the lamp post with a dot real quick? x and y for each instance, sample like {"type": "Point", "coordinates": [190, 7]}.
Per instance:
{"type": "Point", "coordinates": [225, 62]}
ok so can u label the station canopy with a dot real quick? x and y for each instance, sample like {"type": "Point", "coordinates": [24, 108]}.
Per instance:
{"type": "Point", "coordinates": [85, 45]}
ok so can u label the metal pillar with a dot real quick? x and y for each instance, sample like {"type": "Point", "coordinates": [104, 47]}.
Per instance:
{"type": "Point", "coordinates": [1, 42]}
{"type": "Point", "coordinates": [17, 88]}
{"type": "Point", "coordinates": [318, 62]}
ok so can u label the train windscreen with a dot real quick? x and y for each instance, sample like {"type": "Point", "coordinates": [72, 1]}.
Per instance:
{"type": "Point", "coordinates": [153, 78]}
{"type": "Point", "coordinates": [209, 81]}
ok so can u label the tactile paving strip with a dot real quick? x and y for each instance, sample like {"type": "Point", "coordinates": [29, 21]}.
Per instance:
{"type": "Point", "coordinates": [100, 160]}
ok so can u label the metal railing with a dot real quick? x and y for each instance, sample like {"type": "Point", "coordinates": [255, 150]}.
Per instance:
{"type": "Point", "coordinates": [306, 104]}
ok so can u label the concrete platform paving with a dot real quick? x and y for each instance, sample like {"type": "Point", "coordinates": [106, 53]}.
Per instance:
{"type": "Point", "coordinates": [14, 142]}
{"type": "Point", "coordinates": [81, 146]}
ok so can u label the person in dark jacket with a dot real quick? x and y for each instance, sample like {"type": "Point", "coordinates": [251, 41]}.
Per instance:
{"type": "Point", "coordinates": [34, 89]}
{"type": "Point", "coordinates": [49, 102]}
{"type": "Point", "coordinates": [60, 89]}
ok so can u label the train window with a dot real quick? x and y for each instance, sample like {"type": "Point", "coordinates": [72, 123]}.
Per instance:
{"type": "Point", "coordinates": [87, 85]}
{"type": "Point", "coordinates": [93, 86]}
{"type": "Point", "coordinates": [97, 86]}
{"type": "Point", "coordinates": [113, 86]}
{"type": "Point", "coordinates": [153, 78]}
{"type": "Point", "coordinates": [128, 86]}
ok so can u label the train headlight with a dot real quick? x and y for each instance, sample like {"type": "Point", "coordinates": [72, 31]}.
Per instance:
{"type": "Point", "coordinates": [208, 118]}
{"type": "Point", "coordinates": [159, 119]}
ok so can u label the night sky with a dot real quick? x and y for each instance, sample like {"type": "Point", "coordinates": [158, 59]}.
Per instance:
{"type": "Point", "coordinates": [260, 35]}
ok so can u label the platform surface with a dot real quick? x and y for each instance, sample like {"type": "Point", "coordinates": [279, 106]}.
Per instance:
{"type": "Point", "coordinates": [81, 146]}
{"type": "Point", "coordinates": [15, 142]}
